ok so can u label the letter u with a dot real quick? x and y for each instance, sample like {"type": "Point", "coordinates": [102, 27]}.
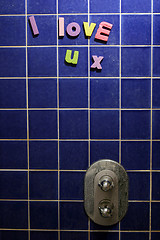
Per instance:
{"type": "Point", "coordinates": [68, 58]}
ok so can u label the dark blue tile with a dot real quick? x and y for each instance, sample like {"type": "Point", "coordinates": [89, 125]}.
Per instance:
{"type": "Point", "coordinates": [156, 66]}
{"type": "Point", "coordinates": [44, 215]}
{"type": "Point", "coordinates": [156, 155]}
{"type": "Point", "coordinates": [42, 93]}
{"type": "Point", "coordinates": [14, 185]}
{"type": "Point", "coordinates": [80, 39]}
{"type": "Point", "coordinates": [136, 29]}
{"type": "Point", "coordinates": [137, 191]}
{"type": "Point", "coordinates": [114, 33]}
{"type": "Point", "coordinates": [103, 7]}
{"type": "Point", "coordinates": [13, 124]}
{"type": "Point", "coordinates": [74, 235]}
{"type": "Point", "coordinates": [14, 215]}
{"type": "Point", "coordinates": [39, 6]}
{"type": "Point", "coordinates": [104, 93]}
{"type": "Point", "coordinates": [104, 124]}
{"type": "Point", "coordinates": [68, 70]}
{"type": "Point", "coordinates": [9, 8]}
{"type": "Point", "coordinates": [135, 155]}
{"type": "Point", "coordinates": [47, 31]}
{"type": "Point", "coordinates": [12, 62]}
{"type": "Point", "coordinates": [72, 216]}
{"type": "Point", "coordinates": [155, 124]}
{"type": "Point", "coordinates": [156, 29]}
{"type": "Point", "coordinates": [73, 6]}
{"type": "Point", "coordinates": [155, 235]}
{"type": "Point", "coordinates": [43, 235]}
{"type": "Point", "coordinates": [136, 93]}
{"type": "Point", "coordinates": [135, 124]}
{"type": "Point", "coordinates": [104, 236]}
{"type": "Point", "coordinates": [43, 124]}
{"type": "Point", "coordinates": [97, 227]}
{"type": "Point", "coordinates": [77, 152]}
{"type": "Point", "coordinates": [73, 124]}
{"type": "Point", "coordinates": [12, 235]}
{"type": "Point", "coordinates": [72, 182]}
{"type": "Point", "coordinates": [136, 7]}
{"type": "Point", "coordinates": [110, 62]}
{"type": "Point", "coordinates": [104, 150]}
{"type": "Point", "coordinates": [13, 93]}
{"type": "Point", "coordinates": [137, 217]}
{"type": "Point", "coordinates": [156, 7]}
{"type": "Point", "coordinates": [136, 62]}
{"type": "Point", "coordinates": [42, 62]}
{"type": "Point", "coordinates": [134, 236]}
{"type": "Point", "coordinates": [156, 95]}
{"type": "Point", "coordinates": [43, 155]}
{"type": "Point", "coordinates": [13, 155]}
{"type": "Point", "coordinates": [9, 36]}
{"type": "Point", "coordinates": [73, 93]}
{"type": "Point", "coordinates": [155, 215]}
{"type": "Point", "coordinates": [155, 185]}
{"type": "Point", "coordinates": [43, 185]}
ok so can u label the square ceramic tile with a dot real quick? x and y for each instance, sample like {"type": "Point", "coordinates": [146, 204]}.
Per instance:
{"type": "Point", "coordinates": [73, 124]}
{"type": "Point", "coordinates": [104, 124]}
{"type": "Point", "coordinates": [13, 93]}
{"type": "Point", "coordinates": [133, 66]}
{"type": "Point", "coordinates": [39, 6]}
{"type": "Point", "coordinates": [136, 29]}
{"type": "Point", "coordinates": [14, 64]}
{"type": "Point", "coordinates": [12, 31]}
{"type": "Point", "coordinates": [47, 27]}
{"type": "Point", "coordinates": [104, 93]}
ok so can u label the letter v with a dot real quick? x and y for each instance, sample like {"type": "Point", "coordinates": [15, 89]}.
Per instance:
{"type": "Point", "coordinates": [88, 29]}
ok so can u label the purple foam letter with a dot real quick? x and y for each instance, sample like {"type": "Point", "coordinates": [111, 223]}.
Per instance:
{"type": "Point", "coordinates": [97, 61]}
{"type": "Point", "coordinates": [34, 25]}
{"type": "Point", "coordinates": [73, 29]}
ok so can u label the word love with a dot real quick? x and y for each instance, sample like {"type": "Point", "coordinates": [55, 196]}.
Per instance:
{"type": "Point", "coordinates": [73, 29]}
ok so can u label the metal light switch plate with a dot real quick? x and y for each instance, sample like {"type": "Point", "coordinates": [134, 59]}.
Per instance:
{"type": "Point", "coordinates": [106, 192]}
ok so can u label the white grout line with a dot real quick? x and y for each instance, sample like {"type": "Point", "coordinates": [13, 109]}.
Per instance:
{"type": "Point", "coordinates": [26, 22]}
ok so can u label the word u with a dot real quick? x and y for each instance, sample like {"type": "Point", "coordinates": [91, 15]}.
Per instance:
{"type": "Point", "coordinates": [74, 60]}
{"type": "Point", "coordinates": [73, 29]}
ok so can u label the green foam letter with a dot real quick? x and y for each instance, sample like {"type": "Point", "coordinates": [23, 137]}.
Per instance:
{"type": "Point", "coordinates": [68, 59]}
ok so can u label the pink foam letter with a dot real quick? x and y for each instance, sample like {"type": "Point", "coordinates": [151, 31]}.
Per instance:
{"type": "Point", "coordinates": [103, 31]}
{"type": "Point", "coordinates": [73, 29]}
{"type": "Point", "coordinates": [61, 27]}
{"type": "Point", "coordinates": [97, 61]}
{"type": "Point", "coordinates": [34, 25]}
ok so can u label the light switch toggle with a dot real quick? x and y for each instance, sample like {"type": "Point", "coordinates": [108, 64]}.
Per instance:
{"type": "Point", "coordinates": [106, 183]}
{"type": "Point", "coordinates": [106, 208]}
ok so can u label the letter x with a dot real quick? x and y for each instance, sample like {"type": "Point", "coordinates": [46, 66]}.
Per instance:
{"type": "Point", "coordinates": [97, 61]}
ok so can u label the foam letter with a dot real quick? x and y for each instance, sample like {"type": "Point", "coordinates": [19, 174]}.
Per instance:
{"type": "Point", "coordinates": [88, 29]}
{"type": "Point", "coordinates": [97, 61]}
{"type": "Point", "coordinates": [103, 32]}
{"type": "Point", "coordinates": [73, 29]}
{"type": "Point", "coordinates": [68, 59]}
{"type": "Point", "coordinates": [61, 27]}
{"type": "Point", "coordinates": [33, 25]}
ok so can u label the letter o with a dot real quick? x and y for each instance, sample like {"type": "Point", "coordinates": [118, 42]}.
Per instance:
{"type": "Point", "coordinates": [71, 32]}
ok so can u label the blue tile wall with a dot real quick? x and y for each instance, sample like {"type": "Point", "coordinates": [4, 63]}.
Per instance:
{"type": "Point", "coordinates": [56, 119]}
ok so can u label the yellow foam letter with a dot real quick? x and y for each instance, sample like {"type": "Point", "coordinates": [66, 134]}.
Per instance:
{"type": "Point", "coordinates": [88, 29]}
{"type": "Point", "coordinates": [68, 59]}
